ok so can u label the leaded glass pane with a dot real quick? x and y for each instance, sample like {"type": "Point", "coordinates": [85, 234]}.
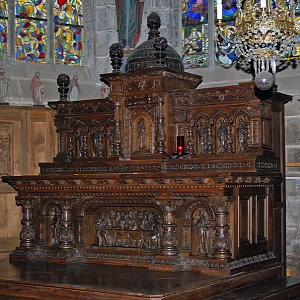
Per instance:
{"type": "Point", "coordinates": [3, 30]}
{"type": "Point", "coordinates": [68, 32]}
{"type": "Point", "coordinates": [296, 50]}
{"type": "Point", "coordinates": [31, 30]}
{"type": "Point", "coordinates": [195, 33]}
{"type": "Point", "coordinates": [225, 55]}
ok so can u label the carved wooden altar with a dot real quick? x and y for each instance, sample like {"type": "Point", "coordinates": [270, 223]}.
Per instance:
{"type": "Point", "coordinates": [160, 174]}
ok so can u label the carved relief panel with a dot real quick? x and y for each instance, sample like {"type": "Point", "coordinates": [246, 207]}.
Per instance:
{"type": "Point", "coordinates": [5, 148]}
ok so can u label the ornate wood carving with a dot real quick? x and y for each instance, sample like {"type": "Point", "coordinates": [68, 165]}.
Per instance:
{"type": "Point", "coordinates": [5, 148]}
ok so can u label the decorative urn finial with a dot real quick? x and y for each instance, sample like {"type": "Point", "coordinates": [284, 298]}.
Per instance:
{"type": "Point", "coordinates": [153, 23]}
{"type": "Point", "coordinates": [63, 82]}
{"type": "Point", "coordinates": [116, 55]}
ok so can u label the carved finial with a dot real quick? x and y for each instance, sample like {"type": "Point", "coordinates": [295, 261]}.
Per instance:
{"type": "Point", "coordinates": [160, 44]}
{"type": "Point", "coordinates": [116, 56]}
{"type": "Point", "coordinates": [153, 23]}
{"type": "Point", "coordinates": [63, 81]}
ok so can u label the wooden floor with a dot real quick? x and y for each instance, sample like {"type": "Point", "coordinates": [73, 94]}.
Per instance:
{"type": "Point", "coordinates": [20, 280]}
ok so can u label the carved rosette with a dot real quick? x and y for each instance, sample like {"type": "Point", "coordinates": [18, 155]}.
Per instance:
{"type": "Point", "coordinates": [63, 82]}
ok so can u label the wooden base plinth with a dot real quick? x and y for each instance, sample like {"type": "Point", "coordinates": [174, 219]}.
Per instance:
{"type": "Point", "coordinates": [20, 280]}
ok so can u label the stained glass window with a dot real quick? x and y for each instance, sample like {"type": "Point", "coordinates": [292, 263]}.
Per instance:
{"type": "Point", "coordinates": [3, 30]}
{"type": "Point", "coordinates": [68, 32]}
{"type": "Point", "coordinates": [31, 30]}
{"type": "Point", "coordinates": [296, 50]}
{"type": "Point", "coordinates": [225, 55]}
{"type": "Point", "coordinates": [195, 33]}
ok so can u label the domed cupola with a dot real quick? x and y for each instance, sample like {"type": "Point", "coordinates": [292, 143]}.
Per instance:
{"type": "Point", "coordinates": [155, 52]}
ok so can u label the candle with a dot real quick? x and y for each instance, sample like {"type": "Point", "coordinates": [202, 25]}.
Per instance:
{"type": "Point", "coordinates": [263, 3]}
{"type": "Point", "coordinates": [180, 144]}
{"type": "Point", "coordinates": [219, 10]}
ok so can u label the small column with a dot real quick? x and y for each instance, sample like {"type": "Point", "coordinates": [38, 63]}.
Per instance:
{"type": "Point", "coordinates": [66, 234]}
{"type": "Point", "coordinates": [169, 240]}
{"type": "Point", "coordinates": [221, 243]}
{"type": "Point", "coordinates": [28, 234]}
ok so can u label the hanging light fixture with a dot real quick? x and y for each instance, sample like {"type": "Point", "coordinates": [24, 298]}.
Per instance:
{"type": "Point", "coordinates": [261, 34]}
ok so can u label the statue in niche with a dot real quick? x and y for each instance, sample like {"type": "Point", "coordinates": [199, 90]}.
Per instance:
{"type": "Point", "coordinates": [55, 226]}
{"type": "Point", "coordinates": [74, 89]}
{"type": "Point", "coordinates": [202, 137]}
{"type": "Point", "coordinates": [142, 134]}
{"type": "Point", "coordinates": [4, 83]}
{"type": "Point", "coordinates": [38, 90]}
{"type": "Point", "coordinates": [98, 146]}
{"type": "Point", "coordinates": [242, 134]}
{"type": "Point", "coordinates": [129, 26]}
{"type": "Point", "coordinates": [221, 133]}
{"type": "Point", "coordinates": [202, 227]}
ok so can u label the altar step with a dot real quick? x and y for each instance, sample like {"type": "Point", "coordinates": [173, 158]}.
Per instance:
{"type": "Point", "coordinates": [24, 280]}
{"type": "Point", "coordinates": [282, 288]}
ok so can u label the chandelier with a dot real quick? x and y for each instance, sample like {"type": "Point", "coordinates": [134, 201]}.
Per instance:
{"type": "Point", "coordinates": [262, 34]}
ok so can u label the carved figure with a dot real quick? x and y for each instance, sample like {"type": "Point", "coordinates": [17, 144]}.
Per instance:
{"type": "Point", "coordinates": [98, 145]}
{"type": "Point", "coordinates": [129, 26]}
{"type": "Point", "coordinates": [38, 90]}
{"type": "Point", "coordinates": [101, 230]}
{"type": "Point", "coordinates": [202, 226]}
{"type": "Point", "coordinates": [4, 83]}
{"type": "Point", "coordinates": [55, 226]}
{"type": "Point", "coordinates": [202, 137]}
{"type": "Point", "coordinates": [221, 133]}
{"type": "Point", "coordinates": [142, 134]}
{"type": "Point", "coordinates": [241, 133]}
{"type": "Point", "coordinates": [74, 89]}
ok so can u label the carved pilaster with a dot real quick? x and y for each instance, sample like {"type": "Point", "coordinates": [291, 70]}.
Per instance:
{"type": "Point", "coordinates": [117, 143]}
{"type": "Point", "coordinates": [70, 145]}
{"type": "Point", "coordinates": [221, 242]}
{"type": "Point", "coordinates": [191, 141]}
{"type": "Point", "coordinates": [229, 141]}
{"type": "Point", "coordinates": [160, 137]}
{"type": "Point", "coordinates": [186, 235]}
{"type": "Point", "coordinates": [169, 241]}
{"type": "Point", "coordinates": [42, 233]}
{"type": "Point", "coordinates": [28, 234]}
{"type": "Point", "coordinates": [210, 140]}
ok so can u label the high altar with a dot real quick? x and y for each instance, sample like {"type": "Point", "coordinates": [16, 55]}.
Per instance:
{"type": "Point", "coordinates": [160, 174]}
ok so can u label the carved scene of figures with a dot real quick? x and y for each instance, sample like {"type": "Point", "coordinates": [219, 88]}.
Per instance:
{"type": "Point", "coordinates": [93, 140]}
{"type": "Point", "coordinates": [219, 133]}
{"type": "Point", "coordinates": [127, 228]}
